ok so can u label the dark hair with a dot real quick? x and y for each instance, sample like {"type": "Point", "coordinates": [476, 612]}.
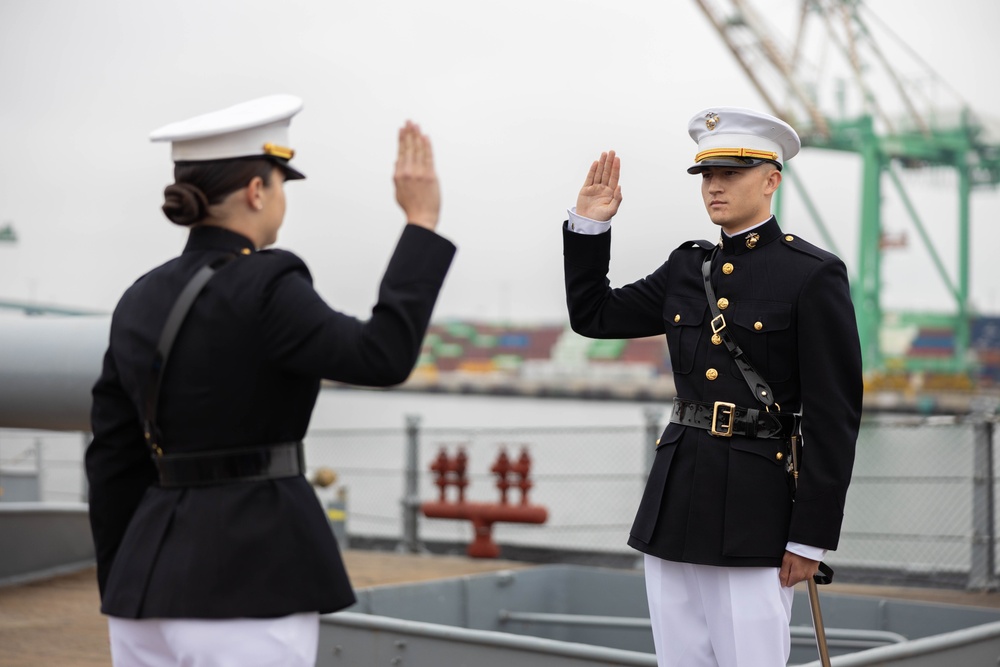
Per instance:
{"type": "Point", "coordinates": [199, 185]}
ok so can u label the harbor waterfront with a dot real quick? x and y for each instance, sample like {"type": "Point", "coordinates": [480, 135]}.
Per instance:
{"type": "Point", "coordinates": [917, 509]}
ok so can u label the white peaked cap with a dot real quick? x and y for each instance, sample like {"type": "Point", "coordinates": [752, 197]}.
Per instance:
{"type": "Point", "coordinates": [735, 137]}
{"type": "Point", "coordinates": [255, 128]}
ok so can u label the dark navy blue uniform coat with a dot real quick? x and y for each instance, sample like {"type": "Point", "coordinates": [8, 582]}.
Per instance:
{"type": "Point", "coordinates": [245, 370]}
{"type": "Point", "coordinates": [729, 501]}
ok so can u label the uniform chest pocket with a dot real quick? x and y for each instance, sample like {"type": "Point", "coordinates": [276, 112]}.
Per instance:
{"type": "Point", "coordinates": [764, 330]}
{"type": "Point", "coordinates": [684, 321]}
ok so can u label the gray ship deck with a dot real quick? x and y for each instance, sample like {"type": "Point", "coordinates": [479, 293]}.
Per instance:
{"type": "Point", "coordinates": [57, 622]}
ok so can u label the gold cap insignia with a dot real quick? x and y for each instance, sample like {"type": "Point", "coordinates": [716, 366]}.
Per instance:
{"type": "Point", "coordinates": [752, 239]}
{"type": "Point", "coordinates": [279, 151]}
{"type": "Point", "coordinates": [711, 120]}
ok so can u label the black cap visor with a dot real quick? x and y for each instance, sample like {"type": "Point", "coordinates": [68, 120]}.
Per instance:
{"type": "Point", "coordinates": [730, 163]}
{"type": "Point", "coordinates": [291, 173]}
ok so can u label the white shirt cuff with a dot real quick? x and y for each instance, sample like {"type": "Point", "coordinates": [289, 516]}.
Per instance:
{"type": "Point", "coordinates": [806, 551]}
{"type": "Point", "coordinates": [582, 225]}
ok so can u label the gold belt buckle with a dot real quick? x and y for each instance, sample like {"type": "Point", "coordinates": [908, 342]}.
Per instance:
{"type": "Point", "coordinates": [718, 324]}
{"type": "Point", "coordinates": [728, 410]}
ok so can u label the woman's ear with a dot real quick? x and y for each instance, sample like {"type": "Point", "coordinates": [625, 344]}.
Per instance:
{"type": "Point", "coordinates": [255, 193]}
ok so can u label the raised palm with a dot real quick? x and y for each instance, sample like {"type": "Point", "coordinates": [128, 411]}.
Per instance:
{"type": "Point", "coordinates": [601, 195]}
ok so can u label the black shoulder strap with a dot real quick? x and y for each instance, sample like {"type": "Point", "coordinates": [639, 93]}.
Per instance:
{"type": "Point", "coordinates": [757, 385]}
{"type": "Point", "coordinates": [176, 317]}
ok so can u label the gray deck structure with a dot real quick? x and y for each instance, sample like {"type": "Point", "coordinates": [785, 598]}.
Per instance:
{"type": "Point", "coordinates": [42, 540]}
{"type": "Point", "coordinates": [577, 616]}
{"type": "Point", "coordinates": [546, 616]}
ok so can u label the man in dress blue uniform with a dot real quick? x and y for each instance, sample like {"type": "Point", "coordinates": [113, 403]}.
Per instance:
{"type": "Point", "coordinates": [724, 532]}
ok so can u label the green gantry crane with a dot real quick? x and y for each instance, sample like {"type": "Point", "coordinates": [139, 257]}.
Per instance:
{"type": "Point", "coordinates": [886, 144]}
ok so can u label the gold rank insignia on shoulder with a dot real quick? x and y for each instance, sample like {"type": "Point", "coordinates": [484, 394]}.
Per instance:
{"type": "Point", "coordinates": [711, 120]}
{"type": "Point", "coordinates": [752, 239]}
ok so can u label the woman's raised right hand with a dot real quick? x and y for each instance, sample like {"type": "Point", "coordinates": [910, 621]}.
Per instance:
{"type": "Point", "coordinates": [417, 189]}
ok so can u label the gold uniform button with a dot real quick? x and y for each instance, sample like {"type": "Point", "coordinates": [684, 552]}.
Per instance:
{"type": "Point", "coordinates": [723, 303]}
{"type": "Point", "coordinates": [716, 339]}
{"type": "Point", "coordinates": [245, 251]}
{"type": "Point", "coordinates": [727, 268]}
{"type": "Point", "coordinates": [779, 456]}
{"type": "Point", "coordinates": [757, 326]}
{"type": "Point", "coordinates": [789, 238]}
{"type": "Point", "coordinates": [657, 442]}
{"type": "Point", "coordinates": [677, 317]}
{"type": "Point", "coordinates": [711, 373]}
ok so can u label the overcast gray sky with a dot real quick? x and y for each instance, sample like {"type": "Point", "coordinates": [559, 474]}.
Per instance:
{"type": "Point", "coordinates": [518, 97]}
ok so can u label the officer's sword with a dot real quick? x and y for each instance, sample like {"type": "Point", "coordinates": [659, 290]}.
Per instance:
{"type": "Point", "coordinates": [817, 614]}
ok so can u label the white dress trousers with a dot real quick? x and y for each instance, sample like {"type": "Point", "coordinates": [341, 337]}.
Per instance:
{"type": "Point", "coordinates": [289, 641]}
{"type": "Point", "coordinates": [706, 616]}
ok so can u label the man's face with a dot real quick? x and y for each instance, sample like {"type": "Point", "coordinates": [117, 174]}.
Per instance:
{"type": "Point", "coordinates": [739, 198]}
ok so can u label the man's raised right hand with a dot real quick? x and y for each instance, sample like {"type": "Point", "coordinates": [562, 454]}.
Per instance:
{"type": "Point", "coordinates": [601, 195]}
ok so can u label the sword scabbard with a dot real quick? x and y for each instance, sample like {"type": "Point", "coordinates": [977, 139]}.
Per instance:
{"type": "Point", "coordinates": [817, 614]}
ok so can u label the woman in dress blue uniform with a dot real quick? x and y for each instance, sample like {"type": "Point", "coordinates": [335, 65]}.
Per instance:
{"type": "Point", "coordinates": [212, 548]}
{"type": "Point", "coordinates": [724, 536]}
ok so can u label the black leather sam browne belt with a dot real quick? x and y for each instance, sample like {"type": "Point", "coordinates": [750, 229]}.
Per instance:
{"type": "Point", "coordinates": [726, 420]}
{"type": "Point", "coordinates": [220, 466]}
{"type": "Point", "coordinates": [231, 465]}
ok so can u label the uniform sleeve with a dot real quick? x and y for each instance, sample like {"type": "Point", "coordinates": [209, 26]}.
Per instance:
{"type": "Point", "coordinates": [831, 385]}
{"type": "Point", "coordinates": [595, 309]}
{"type": "Point", "coordinates": [119, 467]}
{"type": "Point", "coordinates": [302, 334]}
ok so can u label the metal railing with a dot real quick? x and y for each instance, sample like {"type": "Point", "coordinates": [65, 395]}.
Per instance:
{"type": "Point", "coordinates": [921, 508]}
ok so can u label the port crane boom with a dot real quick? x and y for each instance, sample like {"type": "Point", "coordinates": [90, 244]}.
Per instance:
{"type": "Point", "coordinates": [887, 126]}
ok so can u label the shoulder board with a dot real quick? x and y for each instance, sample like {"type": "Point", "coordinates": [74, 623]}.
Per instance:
{"type": "Point", "coordinates": [703, 244]}
{"type": "Point", "coordinates": [798, 243]}
{"type": "Point", "coordinates": [279, 261]}
{"type": "Point", "coordinates": [278, 254]}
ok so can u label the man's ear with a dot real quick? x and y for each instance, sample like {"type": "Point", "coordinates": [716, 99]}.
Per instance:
{"type": "Point", "coordinates": [772, 182]}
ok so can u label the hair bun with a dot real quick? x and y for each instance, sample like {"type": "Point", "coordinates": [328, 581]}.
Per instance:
{"type": "Point", "coordinates": [184, 204]}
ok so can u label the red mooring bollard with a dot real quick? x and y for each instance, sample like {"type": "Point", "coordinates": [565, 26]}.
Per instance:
{"type": "Point", "coordinates": [451, 471]}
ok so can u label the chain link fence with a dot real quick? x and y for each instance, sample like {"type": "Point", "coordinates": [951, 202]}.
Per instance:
{"type": "Point", "coordinates": [590, 480]}
{"type": "Point", "coordinates": [921, 508]}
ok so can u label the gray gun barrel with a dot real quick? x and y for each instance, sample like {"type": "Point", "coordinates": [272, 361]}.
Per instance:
{"type": "Point", "coordinates": [48, 366]}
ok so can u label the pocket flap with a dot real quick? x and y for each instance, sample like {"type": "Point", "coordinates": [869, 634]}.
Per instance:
{"type": "Point", "coordinates": [774, 451]}
{"type": "Point", "coordinates": [681, 311]}
{"type": "Point", "coordinates": [671, 434]}
{"type": "Point", "coordinates": [762, 316]}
